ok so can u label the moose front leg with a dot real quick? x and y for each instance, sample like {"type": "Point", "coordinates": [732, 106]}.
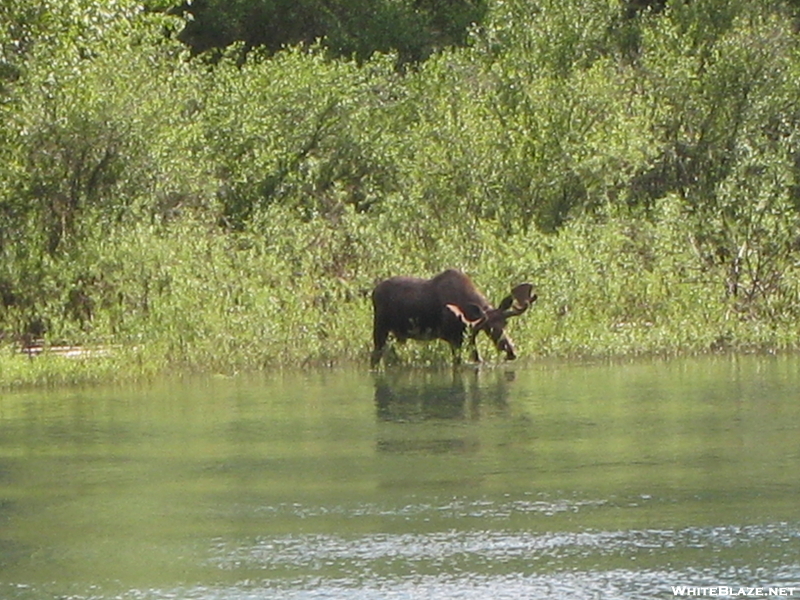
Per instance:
{"type": "Point", "coordinates": [472, 320]}
{"type": "Point", "coordinates": [474, 354]}
{"type": "Point", "coordinates": [455, 350]}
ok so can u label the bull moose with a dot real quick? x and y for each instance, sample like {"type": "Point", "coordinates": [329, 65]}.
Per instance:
{"type": "Point", "coordinates": [443, 308]}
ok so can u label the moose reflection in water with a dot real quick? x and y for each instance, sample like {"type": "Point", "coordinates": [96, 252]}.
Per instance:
{"type": "Point", "coordinates": [421, 412]}
{"type": "Point", "coordinates": [413, 395]}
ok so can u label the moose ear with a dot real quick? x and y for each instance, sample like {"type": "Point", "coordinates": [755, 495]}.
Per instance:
{"type": "Point", "coordinates": [471, 315]}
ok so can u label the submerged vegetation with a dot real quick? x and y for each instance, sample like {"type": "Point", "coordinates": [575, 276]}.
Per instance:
{"type": "Point", "coordinates": [639, 162]}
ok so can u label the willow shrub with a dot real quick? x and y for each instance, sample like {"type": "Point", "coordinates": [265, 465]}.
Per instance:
{"type": "Point", "coordinates": [302, 132]}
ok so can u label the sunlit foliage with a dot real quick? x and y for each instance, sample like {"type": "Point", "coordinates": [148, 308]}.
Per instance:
{"type": "Point", "coordinates": [639, 162]}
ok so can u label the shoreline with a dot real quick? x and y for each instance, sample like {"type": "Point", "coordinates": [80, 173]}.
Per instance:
{"type": "Point", "coordinates": [75, 366]}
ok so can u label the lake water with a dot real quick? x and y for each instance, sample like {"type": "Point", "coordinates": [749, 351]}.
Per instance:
{"type": "Point", "coordinates": [532, 481]}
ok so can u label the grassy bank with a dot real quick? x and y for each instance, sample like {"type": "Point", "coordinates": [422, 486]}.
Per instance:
{"type": "Point", "coordinates": [190, 298]}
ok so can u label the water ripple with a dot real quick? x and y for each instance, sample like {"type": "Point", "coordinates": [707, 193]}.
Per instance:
{"type": "Point", "coordinates": [489, 546]}
{"type": "Point", "coordinates": [617, 584]}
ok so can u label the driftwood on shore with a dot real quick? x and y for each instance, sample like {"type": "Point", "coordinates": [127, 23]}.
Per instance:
{"type": "Point", "coordinates": [67, 351]}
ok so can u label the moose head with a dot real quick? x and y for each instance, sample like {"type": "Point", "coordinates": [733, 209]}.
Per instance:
{"type": "Point", "coordinates": [492, 321]}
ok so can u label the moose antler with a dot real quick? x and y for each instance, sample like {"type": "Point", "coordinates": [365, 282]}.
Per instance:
{"type": "Point", "coordinates": [471, 316]}
{"type": "Point", "coordinates": [519, 301]}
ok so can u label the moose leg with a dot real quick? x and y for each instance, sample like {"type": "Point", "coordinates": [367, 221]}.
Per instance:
{"type": "Point", "coordinates": [474, 354]}
{"type": "Point", "coordinates": [455, 349]}
{"type": "Point", "coordinates": [380, 333]}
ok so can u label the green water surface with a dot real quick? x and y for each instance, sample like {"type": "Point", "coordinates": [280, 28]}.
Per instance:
{"type": "Point", "coordinates": [525, 481]}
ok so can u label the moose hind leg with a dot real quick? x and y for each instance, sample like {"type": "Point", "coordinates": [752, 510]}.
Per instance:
{"type": "Point", "coordinates": [379, 335]}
